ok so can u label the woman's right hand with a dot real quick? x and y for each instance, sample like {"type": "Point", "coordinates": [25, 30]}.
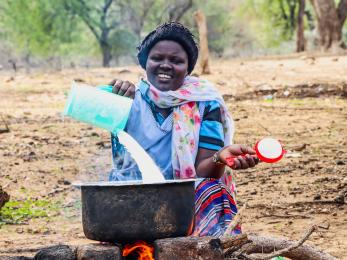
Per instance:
{"type": "Point", "coordinates": [244, 156]}
{"type": "Point", "coordinates": [123, 88]}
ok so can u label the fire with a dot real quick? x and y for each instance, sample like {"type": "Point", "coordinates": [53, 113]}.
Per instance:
{"type": "Point", "coordinates": [191, 228]}
{"type": "Point", "coordinates": [144, 250]}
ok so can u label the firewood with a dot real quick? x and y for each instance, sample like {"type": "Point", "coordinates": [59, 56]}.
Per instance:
{"type": "Point", "coordinates": [235, 221]}
{"type": "Point", "coordinates": [288, 249]}
{"type": "Point", "coordinates": [233, 243]}
{"type": "Point", "coordinates": [262, 247]}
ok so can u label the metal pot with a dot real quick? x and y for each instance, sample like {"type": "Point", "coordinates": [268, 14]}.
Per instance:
{"type": "Point", "coordinates": [131, 211]}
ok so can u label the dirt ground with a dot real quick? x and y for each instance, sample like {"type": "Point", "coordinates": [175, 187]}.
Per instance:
{"type": "Point", "coordinates": [300, 100]}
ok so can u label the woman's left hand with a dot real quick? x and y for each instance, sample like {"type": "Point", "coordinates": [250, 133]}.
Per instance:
{"type": "Point", "coordinates": [244, 156]}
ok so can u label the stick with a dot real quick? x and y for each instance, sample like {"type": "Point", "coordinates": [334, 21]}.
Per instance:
{"type": "Point", "coordinates": [267, 130]}
{"type": "Point", "coordinates": [285, 216]}
{"type": "Point", "coordinates": [285, 250]}
{"type": "Point", "coordinates": [235, 221]}
{"type": "Point", "coordinates": [296, 203]}
{"type": "Point", "coordinates": [6, 185]}
{"type": "Point", "coordinates": [7, 129]}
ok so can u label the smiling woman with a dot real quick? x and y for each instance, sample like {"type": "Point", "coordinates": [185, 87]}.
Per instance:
{"type": "Point", "coordinates": [183, 124]}
{"type": "Point", "coordinates": [167, 65]}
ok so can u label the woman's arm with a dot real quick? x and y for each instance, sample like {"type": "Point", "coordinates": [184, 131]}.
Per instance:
{"type": "Point", "coordinates": [207, 168]}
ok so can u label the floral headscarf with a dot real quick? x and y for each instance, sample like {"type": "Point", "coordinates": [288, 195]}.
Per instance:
{"type": "Point", "coordinates": [187, 121]}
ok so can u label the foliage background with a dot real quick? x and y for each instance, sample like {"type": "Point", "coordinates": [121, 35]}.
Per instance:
{"type": "Point", "coordinates": [42, 33]}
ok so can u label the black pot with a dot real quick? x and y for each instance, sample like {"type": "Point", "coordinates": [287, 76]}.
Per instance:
{"type": "Point", "coordinates": [130, 211]}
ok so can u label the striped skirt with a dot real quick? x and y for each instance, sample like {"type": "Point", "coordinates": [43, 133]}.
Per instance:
{"type": "Point", "coordinates": [215, 207]}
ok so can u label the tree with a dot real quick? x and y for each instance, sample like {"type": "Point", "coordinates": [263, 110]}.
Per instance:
{"type": "Point", "coordinates": [272, 22]}
{"type": "Point", "coordinates": [164, 11]}
{"type": "Point", "coordinates": [107, 19]}
{"type": "Point", "coordinates": [178, 9]}
{"type": "Point", "coordinates": [136, 13]}
{"type": "Point", "coordinates": [287, 11]}
{"type": "Point", "coordinates": [101, 17]}
{"type": "Point", "coordinates": [330, 20]}
{"type": "Point", "coordinates": [300, 38]}
{"type": "Point", "coordinates": [220, 28]}
{"type": "Point", "coordinates": [37, 27]}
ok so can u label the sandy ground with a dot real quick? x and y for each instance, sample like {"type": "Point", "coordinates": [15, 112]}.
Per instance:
{"type": "Point", "coordinates": [44, 153]}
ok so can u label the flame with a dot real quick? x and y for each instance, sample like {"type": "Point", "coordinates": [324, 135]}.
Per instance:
{"type": "Point", "coordinates": [191, 228]}
{"type": "Point", "coordinates": [144, 250]}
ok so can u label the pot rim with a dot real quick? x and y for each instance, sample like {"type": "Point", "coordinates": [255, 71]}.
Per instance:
{"type": "Point", "coordinates": [127, 183]}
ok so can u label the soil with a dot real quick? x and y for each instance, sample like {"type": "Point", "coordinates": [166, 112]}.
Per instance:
{"type": "Point", "coordinates": [301, 100]}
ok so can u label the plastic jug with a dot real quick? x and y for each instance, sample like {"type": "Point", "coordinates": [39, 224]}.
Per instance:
{"type": "Point", "coordinates": [98, 106]}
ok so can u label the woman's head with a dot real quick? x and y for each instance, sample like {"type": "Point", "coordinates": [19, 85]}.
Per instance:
{"type": "Point", "coordinates": [168, 54]}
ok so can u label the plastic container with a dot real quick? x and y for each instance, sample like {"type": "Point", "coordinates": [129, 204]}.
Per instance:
{"type": "Point", "coordinates": [98, 106]}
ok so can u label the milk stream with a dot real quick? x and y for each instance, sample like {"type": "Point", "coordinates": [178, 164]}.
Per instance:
{"type": "Point", "coordinates": [149, 170]}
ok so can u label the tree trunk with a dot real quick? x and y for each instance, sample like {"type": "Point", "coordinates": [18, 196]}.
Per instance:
{"type": "Point", "coordinates": [106, 55]}
{"type": "Point", "coordinates": [292, 7]}
{"type": "Point", "coordinates": [329, 22]}
{"type": "Point", "coordinates": [204, 52]}
{"type": "Point", "coordinates": [300, 37]}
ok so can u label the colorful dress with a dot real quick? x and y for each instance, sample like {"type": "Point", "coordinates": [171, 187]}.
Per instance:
{"type": "Point", "coordinates": [215, 199]}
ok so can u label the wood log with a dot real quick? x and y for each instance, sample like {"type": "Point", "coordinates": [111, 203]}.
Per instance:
{"type": "Point", "coordinates": [265, 244]}
{"type": "Point", "coordinates": [234, 241]}
{"type": "Point", "coordinates": [232, 244]}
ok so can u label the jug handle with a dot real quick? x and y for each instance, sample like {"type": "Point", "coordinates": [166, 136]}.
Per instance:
{"type": "Point", "coordinates": [107, 88]}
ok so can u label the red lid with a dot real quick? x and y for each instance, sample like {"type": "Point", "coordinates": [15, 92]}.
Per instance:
{"type": "Point", "coordinates": [263, 157]}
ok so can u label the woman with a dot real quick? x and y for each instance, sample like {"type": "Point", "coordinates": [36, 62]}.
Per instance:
{"type": "Point", "coordinates": [183, 123]}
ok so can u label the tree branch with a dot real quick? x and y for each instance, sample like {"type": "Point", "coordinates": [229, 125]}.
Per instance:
{"type": "Point", "coordinates": [283, 11]}
{"type": "Point", "coordinates": [176, 12]}
{"type": "Point", "coordinates": [81, 9]}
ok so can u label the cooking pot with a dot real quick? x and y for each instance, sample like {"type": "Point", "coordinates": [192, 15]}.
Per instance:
{"type": "Point", "coordinates": [131, 211]}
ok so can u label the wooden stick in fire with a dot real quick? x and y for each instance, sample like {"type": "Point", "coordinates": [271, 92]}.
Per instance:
{"type": "Point", "coordinates": [235, 221]}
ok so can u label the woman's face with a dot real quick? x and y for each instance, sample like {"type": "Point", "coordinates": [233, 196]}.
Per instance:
{"type": "Point", "coordinates": [167, 65]}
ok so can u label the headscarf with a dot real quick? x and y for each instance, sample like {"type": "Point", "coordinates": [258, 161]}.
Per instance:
{"type": "Point", "coordinates": [169, 31]}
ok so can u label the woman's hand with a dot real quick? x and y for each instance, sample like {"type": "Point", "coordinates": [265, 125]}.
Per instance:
{"type": "Point", "coordinates": [243, 156]}
{"type": "Point", "coordinates": [123, 88]}
{"type": "Point", "coordinates": [206, 166]}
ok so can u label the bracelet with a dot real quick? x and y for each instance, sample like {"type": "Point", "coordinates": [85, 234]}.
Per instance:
{"type": "Point", "coordinates": [216, 159]}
